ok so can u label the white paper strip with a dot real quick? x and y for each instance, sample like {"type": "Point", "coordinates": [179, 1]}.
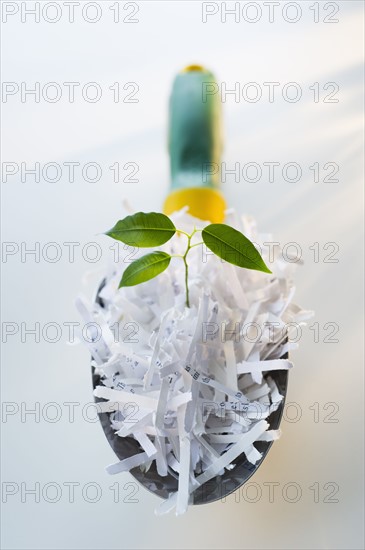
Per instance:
{"type": "Point", "coordinates": [127, 464]}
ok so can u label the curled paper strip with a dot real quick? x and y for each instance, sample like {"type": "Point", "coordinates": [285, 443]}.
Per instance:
{"type": "Point", "coordinates": [193, 386]}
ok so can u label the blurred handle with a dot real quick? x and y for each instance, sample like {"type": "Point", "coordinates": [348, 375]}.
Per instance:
{"type": "Point", "coordinates": [195, 145]}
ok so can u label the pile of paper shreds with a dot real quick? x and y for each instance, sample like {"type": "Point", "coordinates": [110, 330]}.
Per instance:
{"type": "Point", "coordinates": [185, 369]}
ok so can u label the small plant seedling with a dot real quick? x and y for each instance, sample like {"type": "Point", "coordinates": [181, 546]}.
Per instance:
{"type": "Point", "coordinates": [151, 229]}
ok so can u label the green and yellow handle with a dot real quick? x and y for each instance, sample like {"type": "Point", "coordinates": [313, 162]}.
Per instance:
{"type": "Point", "coordinates": [195, 146]}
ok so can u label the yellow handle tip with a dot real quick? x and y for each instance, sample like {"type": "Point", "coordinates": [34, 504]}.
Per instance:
{"type": "Point", "coordinates": [203, 203]}
{"type": "Point", "coordinates": [192, 68]}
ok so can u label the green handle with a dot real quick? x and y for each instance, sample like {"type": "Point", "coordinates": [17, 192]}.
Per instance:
{"type": "Point", "coordinates": [195, 143]}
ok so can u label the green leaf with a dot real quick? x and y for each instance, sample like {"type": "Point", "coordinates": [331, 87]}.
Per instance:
{"type": "Point", "coordinates": [145, 230]}
{"type": "Point", "coordinates": [232, 246]}
{"type": "Point", "coordinates": [145, 268]}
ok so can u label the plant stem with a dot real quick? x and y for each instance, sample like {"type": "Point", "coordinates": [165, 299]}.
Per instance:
{"type": "Point", "coordinates": [186, 282]}
{"type": "Point", "coordinates": [187, 270]}
{"type": "Point", "coordinates": [183, 232]}
{"type": "Point", "coordinates": [189, 236]}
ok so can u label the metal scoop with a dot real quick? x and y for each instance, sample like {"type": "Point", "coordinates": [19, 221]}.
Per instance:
{"type": "Point", "coordinates": [195, 147]}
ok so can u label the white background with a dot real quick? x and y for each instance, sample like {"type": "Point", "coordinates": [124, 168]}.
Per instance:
{"type": "Point", "coordinates": [167, 37]}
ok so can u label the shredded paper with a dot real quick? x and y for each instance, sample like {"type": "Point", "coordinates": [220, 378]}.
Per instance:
{"type": "Point", "coordinates": [193, 385]}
